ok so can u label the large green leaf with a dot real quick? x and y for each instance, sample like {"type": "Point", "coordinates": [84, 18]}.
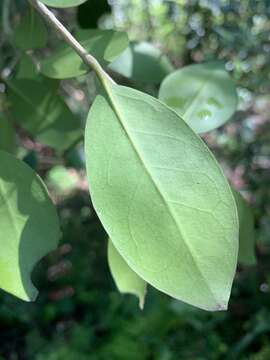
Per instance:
{"type": "Point", "coordinates": [31, 33]}
{"type": "Point", "coordinates": [204, 95]}
{"type": "Point", "coordinates": [36, 107]}
{"type": "Point", "coordinates": [246, 254]}
{"type": "Point", "coordinates": [162, 197]}
{"type": "Point", "coordinates": [7, 135]}
{"type": "Point", "coordinates": [142, 62]}
{"type": "Point", "coordinates": [29, 225]}
{"type": "Point", "coordinates": [63, 3]}
{"type": "Point", "coordinates": [104, 45]}
{"type": "Point", "coordinates": [126, 280]}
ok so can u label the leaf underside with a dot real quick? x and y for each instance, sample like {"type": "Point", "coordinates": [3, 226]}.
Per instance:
{"type": "Point", "coordinates": [29, 226]}
{"type": "Point", "coordinates": [63, 3]}
{"type": "Point", "coordinates": [246, 254]}
{"type": "Point", "coordinates": [162, 197]}
{"type": "Point", "coordinates": [142, 62]}
{"type": "Point", "coordinates": [126, 280]}
{"type": "Point", "coordinates": [203, 94]}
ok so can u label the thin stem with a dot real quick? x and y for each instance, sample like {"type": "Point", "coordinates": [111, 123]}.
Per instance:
{"type": "Point", "coordinates": [87, 58]}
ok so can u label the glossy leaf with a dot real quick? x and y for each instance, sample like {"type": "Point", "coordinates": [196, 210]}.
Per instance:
{"type": "Point", "coordinates": [29, 225]}
{"type": "Point", "coordinates": [104, 45]}
{"type": "Point", "coordinates": [31, 33]}
{"type": "Point", "coordinates": [36, 107]}
{"type": "Point", "coordinates": [204, 95]}
{"type": "Point", "coordinates": [126, 280]}
{"type": "Point", "coordinates": [7, 135]}
{"type": "Point", "coordinates": [246, 254]}
{"type": "Point", "coordinates": [63, 3]}
{"type": "Point", "coordinates": [162, 197]}
{"type": "Point", "coordinates": [142, 62]}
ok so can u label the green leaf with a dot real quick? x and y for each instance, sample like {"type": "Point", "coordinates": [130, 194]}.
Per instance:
{"type": "Point", "coordinates": [61, 180]}
{"type": "Point", "coordinates": [126, 280]}
{"type": "Point", "coordinates": [246, 254]}
{"type": "Point", "coordinates": [26, 69]}
{"type": "Point", "coordinates": [162, 197]}
{"type": "Point", "coordinates": [104, 45]}
{"type": "Point", "coordinates": [29, 225]}
{"type": "Point", "coordinates": [204, 95]}
{"type": "Point", "coordinates": [37, 108]}
{"type": "Point", "coordinates": [7, 136]}
{"type": "Point", "coordinates": [63, 3]}
{"type": "Point", "coordinates": [31, 33]}
{"type": "Point", "coordinates": [142, 62]}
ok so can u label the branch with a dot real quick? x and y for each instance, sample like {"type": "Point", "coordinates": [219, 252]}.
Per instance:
{"type": "Point", "coordinates": [88, 59]}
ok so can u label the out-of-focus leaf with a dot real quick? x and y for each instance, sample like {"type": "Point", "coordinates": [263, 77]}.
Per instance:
{"type": "Point", "coordinates": [31, 33]}
{"type": "Point", "coordinates": [142, 62]}
{"type": "Point", "coordinates": [104, 45]}
{"type": "Point", "coordinates": [90, 12]}
{"type": "Point", "coordinates": [204, 95]}
{"type": "Point", "coordinates": [29, 225]}
{"type": "Point", "coordinates": [26, 68]}
{"type": "Point", "coordinates": [7, 135]}
{"type": "Point", "coordinates": [126, 280]}
{"type": "Point", "coordinates": [61, 180]}
{"type": "Point", "coordinates": [36, 107]}
{"type": "Point", "coordinates": [63, 3]}
{"type": "Point", "coordinates": [162, 197]}
{"type": "Point", "coordinates": [246, 254]}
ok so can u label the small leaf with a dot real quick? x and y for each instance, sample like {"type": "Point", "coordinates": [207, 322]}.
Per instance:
{"type": "Point", "coordinates": [142, 62]}
{"type": "Point", "coordinates": [204, 95]}
{"type": "Point", "coordinates": [104, 45]}
{"type": "Point", "coordinates": [126, 280]}
{"type": "Point", "coordinates": [29, 225]}
{"type": "Point", "coordinates": [36, 107]}
{"type": "Point", "coordinates": [246, 254]}
{"type": "Point", "coordinates": [63, 3]}
{"type": "Point", "coordinates": [7, 136]}
{"type": "Point", "coordinates": [62, 180]}
{"type": "Point", "coordinates": [31, 33]}
{"type": "Point", "coordinates": [162, 197]}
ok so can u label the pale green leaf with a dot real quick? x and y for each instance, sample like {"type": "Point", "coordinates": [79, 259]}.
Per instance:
{"type": "Point", "coordinates": [142, 62]}
{"type": "Point", "coordinates": [162, 197]}
{"type": "Point", "coordinates": [62, 180]}
{"type": "Point", "coordinates": [29, 225]}
{"type": "Point", "coordinates": [204, 95]}
{"type": "Point", "coordinates": [63, 3]}
{"type": "Point", "coordinates": [36, 107]}
{"type": "Point", "coordinates": [104, 45]}
{"type": "Point", "coordinates": [126, 280]}
{"type": "Point", "coordinates": [31, 33]}
{"type": "Point", "coordinates": [246, 254]}
{"type": "Point", "coordinates": [7, 135]}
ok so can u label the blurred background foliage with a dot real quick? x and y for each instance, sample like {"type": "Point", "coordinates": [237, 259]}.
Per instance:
{"type": "Point", "coordinates": [79, 314]}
